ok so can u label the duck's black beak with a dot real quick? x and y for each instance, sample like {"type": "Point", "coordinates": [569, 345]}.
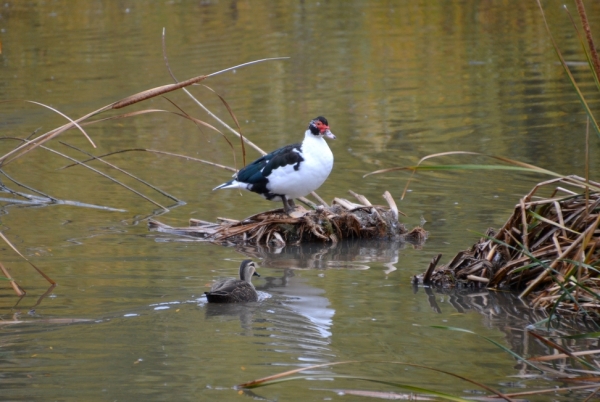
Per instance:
{"type": "Point", "coordinates": [256, 274]}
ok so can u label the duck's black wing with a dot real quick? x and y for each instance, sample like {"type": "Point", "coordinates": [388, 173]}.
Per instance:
{"type": "Point", "coordinates": [256, 173]}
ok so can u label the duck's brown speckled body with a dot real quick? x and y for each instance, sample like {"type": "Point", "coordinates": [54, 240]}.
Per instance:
{"type": "Point", "coordinates": [235, 290]}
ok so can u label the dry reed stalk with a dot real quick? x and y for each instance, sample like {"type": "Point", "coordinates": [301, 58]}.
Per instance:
{"type": "Point", "coordinates": [18, 290]}
{"type": "Point", "coordinates": [588, 36]}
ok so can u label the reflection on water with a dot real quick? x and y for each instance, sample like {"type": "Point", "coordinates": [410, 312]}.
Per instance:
{"type": "Point", "coordinates": [297, 319]}
{"type": "Point", "coordinates": [508, 314]}
{"type": "Point", "coordinates": [297, 327]}
{"type": "Point", "coordinates": [242, 311]}
{"type": "Point", "coordinates": [398, 80]}
{"type": "Point", "coordinates": [350, 254]}
{"type": "Point", "coordinates": [305, 301]}
{"type": "Point", "coordinates": [496, 307]}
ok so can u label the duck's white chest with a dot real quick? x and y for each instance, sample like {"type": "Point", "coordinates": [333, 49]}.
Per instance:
{"type": "Point", "coordinates": [309, 175]}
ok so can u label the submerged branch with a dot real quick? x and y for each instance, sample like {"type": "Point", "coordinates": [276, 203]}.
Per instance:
{"type": "Point", "coordinates": [155, 152]}
{"type": "Point", "coordinates": [106, 176]}
{"type": "Point", "coordinates": [124, 172]}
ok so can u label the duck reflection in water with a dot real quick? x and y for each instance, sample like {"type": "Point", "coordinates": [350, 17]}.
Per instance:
{"type": "Point", "coordinates": [296, 317]}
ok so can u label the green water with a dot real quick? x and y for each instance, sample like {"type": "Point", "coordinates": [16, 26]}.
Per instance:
{"type": "Point", "coordinates": [397, 80]}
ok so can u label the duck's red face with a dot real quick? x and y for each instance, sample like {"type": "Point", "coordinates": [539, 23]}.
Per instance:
{"type": "Point", "coordinates": [320, 127]}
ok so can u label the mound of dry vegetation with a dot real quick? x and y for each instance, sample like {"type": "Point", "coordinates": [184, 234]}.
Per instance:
{"type": "Point", "coordinates": [342, 220]}
{"type": "Point", "coordinates": [547, 250]}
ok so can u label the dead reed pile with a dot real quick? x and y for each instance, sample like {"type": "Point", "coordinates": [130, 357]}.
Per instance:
{"type": "Point", "coordinates": [343, 220]}
{"type": "Point", "coordinates": [548, 250]}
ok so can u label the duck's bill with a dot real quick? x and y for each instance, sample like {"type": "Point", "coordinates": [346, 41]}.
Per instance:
{"type": "Point", "coordinates": [329, 134]}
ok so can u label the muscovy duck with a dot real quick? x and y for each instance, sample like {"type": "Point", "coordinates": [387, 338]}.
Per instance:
{"type": "Point", "coordinates": [290, 172]}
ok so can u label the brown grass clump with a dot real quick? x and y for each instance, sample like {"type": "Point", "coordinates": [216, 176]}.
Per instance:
{"type": "Point", "coordinates": [343, 220]}
{"type": "Point", "coordinates": [548, 250]}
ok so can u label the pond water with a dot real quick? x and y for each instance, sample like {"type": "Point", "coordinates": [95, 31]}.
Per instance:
{"type": "Point", "coordinates": [397, 80]}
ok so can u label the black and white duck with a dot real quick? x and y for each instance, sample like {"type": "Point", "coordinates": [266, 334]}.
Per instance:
{"type": "Point", "coordinates": [235, 290]}
{"type": "Point", "coordinates": [289, 172]}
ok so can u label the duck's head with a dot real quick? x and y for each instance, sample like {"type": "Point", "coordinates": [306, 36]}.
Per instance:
{"type": "Point", "coordinates": [248, 270]}
{"type": "Point", "coordinates": [320, 128]}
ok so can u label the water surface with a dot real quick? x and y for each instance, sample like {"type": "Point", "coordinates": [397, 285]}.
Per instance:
{"type": "Point", "coordinates": [397, 81]}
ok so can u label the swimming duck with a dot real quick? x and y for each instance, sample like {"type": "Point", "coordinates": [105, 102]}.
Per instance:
{"type": "Point", "coordinates": [289, 172]}
{"type": "Point", "coordinates": [235, 290]}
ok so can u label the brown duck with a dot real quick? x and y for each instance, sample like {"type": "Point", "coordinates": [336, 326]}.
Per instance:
{"type": "Point", "coordinates": [235, 290]}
